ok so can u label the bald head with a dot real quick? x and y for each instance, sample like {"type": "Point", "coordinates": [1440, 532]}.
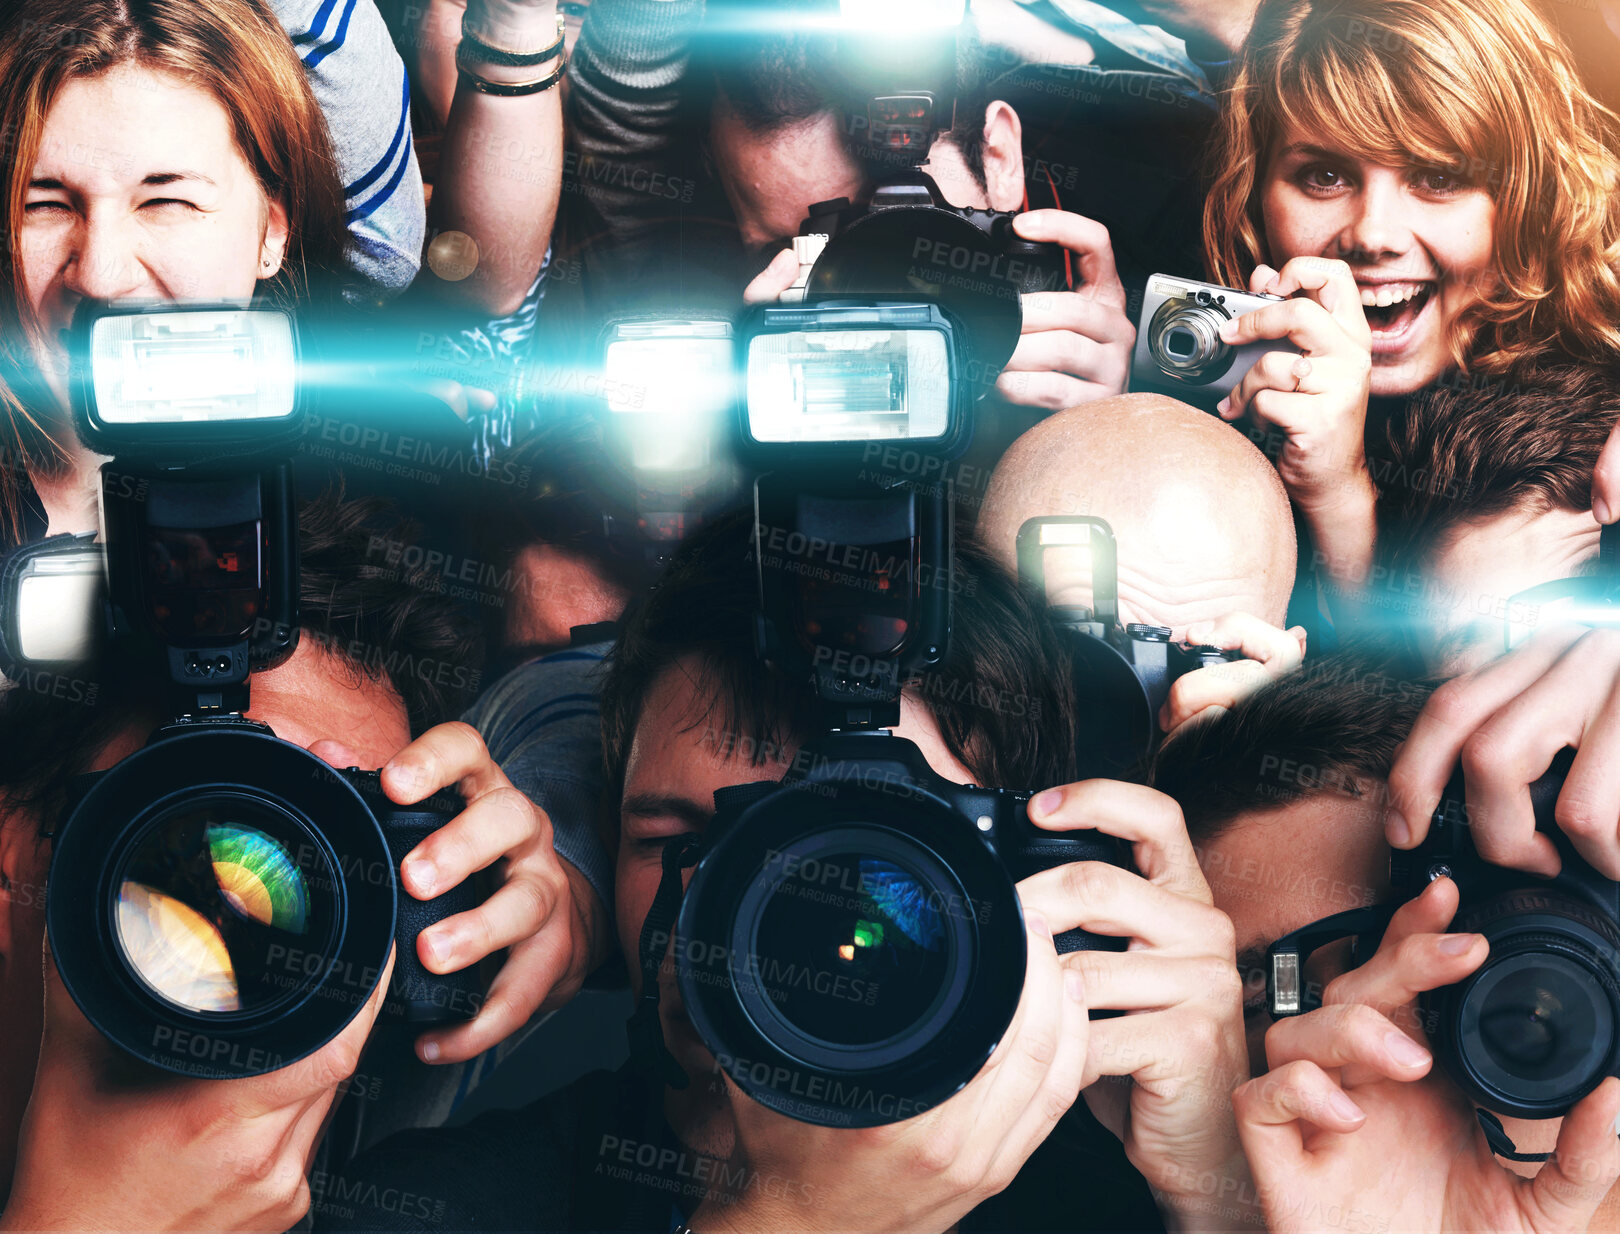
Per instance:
{"type": "Point", "coordinates": [1202, 521]}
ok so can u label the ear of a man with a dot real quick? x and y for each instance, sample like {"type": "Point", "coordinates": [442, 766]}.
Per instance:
{"type": "Point", "coordinates": [1003, 157]}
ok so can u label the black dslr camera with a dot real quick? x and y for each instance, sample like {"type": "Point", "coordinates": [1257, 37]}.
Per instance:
{"type": "Point", "coordinates": [908, 238]}
{"type": "Point", "coordinates": [898, 82]}
{"type": "Point", "coordinates": [222, 902]}
{"type": "Point", "coordinates": [1122, 673]}
{"type": "Point", "coordinates": [1537, 1026]}
{"type": "Point", "coordinates": [850, 946]}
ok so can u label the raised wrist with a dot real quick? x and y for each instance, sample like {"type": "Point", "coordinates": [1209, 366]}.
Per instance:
{"type": "Point", "coordinates": [1352, 493]}
{"type": "Point", "coordinates": [512, 26]}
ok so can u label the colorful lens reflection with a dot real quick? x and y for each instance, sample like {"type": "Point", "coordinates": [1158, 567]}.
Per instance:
{"type": "Point", "coordinates": [215, 914]}
{"type": "Point", "coordinates": [258, 879]}
{"type": "Point", "coordinates": [176, 950]}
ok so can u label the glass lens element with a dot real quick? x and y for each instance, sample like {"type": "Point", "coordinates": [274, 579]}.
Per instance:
{"type": "Point", "coordinates": [1541, 1023]}
{"type": "Point", "coordinates": [219, 906]}
{"type": "Point", "coordinates": [851, 949]}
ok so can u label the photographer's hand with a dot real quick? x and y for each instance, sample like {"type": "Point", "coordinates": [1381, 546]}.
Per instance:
{"type": "Point", "coordinates": [110, 1144]}
{"type": "Point", "coordinates": [1505, 722]}
{"type": "Point", "coordinates": [1316, 401]}
{"type": "Point", "coordinates": [1076, 345]}
{"type": "Point", "coordinates": [544, 909]}
{"type": "Point", "coordinates": [1268, 653]}
{"type": "Point", "coordinates": [924, 1174]}
{"type": "Point", "coordinates": [1352, 1126]}
{"type": "Point", "coordinates": [1182, 1042]}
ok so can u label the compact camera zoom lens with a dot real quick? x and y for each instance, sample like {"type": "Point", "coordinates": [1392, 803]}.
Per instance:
{"type": "Point", "coordinates": [1185, 342]}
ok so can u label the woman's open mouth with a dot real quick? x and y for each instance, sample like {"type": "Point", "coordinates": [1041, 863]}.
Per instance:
{"type": "Point", "coordinates": [1393, 310]}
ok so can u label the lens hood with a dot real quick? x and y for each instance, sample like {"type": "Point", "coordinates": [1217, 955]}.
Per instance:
{"type": "Point", "coordinates": [221, 903]}
{"type": "Point", "coordinates": [1537, 1026]}
{"type": "Point", "coordinates": [932, 254]}
{"type": "Point", "coordinates": [797, 898]}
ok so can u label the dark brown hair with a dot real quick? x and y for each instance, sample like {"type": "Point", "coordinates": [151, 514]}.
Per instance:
{"type": "Point", "coordinates": [1330, 728]}
{"type": "Point", "coordinates": [1477, 451]}
{"type": "Point", "coordinates": [1002, 697]}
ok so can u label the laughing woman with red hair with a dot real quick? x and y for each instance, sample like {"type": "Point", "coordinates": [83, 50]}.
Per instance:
{"type": "Point", "coordinates": [159, 150]}
{"type": "Point", "coordinates": [1437, 193]}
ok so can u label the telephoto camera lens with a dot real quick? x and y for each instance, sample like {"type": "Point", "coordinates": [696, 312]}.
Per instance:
{"type": "Point", "coordinates": [851, 956]}
{"type": "Point", "coordinates": [1537, 1027]}
{"type": "Point", "coordinates": [221, 903]}
{"type": "Point", "coordinates": [1184, 339]}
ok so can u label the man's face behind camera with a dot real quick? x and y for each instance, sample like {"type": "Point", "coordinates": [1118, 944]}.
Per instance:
{"type": "Point", "coordinates": [773, 177]}
{"type": "Point", "coordinates": [1277, 870]}
{"type": "Point", "coordinates": [683, 749]}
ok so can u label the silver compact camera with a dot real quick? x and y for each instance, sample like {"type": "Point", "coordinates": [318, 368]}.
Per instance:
{"type": "Point", "coordinates": [1179, 351]}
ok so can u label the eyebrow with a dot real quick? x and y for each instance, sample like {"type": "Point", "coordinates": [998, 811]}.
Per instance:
{"type": "Point", "coordinates": [170, 177]}
{"type": "Point", "coordinates": [156, 178]}
{"type": "Point", "coordinates": [667, 805]}
{"type": "Point", "coordinates": [1313, 151]}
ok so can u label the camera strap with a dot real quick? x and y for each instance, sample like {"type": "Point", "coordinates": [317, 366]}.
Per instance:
{"type": "Point", "coordinates": [647, 1046]}
{"type": "Point", "coordinates": [1501, 1143]}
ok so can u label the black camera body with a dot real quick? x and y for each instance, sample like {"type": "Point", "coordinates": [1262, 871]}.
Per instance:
{"type": "Point", "coordinates": [908, 239]}
{"type": "Point", "coordinates": [851, 944]}
{"type": "Point", "coordinates": [1122, 673]}
{"type": "Point", "coordinates": [1122, 676]}
{"type": "Point", "coordinates": [1537, 1026]}
{"type": "Point", "coordinates": [1030, 265]}
{"type": "Point", "coordinates": [1179, 350]}
{"type": "Point", "coordinates": [222, 902]}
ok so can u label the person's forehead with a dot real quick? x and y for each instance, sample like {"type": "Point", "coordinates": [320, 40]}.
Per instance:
{"type": "Point", "coordinates": [1278, 869]}
{"type": "Point", "coordinates": [686, 743]}
{"type": "Point", "coordinates": [129, 121]}
{"type": "Point", "coordinates": [318, 696]}
{"type": "Point", "coordinates": [1479, 566]}
{"type": "Point", "coordinates": [778, 174]}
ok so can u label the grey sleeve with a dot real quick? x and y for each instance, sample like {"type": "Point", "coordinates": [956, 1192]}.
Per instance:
{"type": "Point", "coordinates": [624, 99]}
{"type": "Point", "coordinates": [360, 82]}
{"type": "Point", "coordinates": [542, 723]}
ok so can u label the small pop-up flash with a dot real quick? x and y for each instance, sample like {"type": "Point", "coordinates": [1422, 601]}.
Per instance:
{"type": "Point", "coordinates": [162, 375]}
{"type": "Point", "coordinates": [834, 376]}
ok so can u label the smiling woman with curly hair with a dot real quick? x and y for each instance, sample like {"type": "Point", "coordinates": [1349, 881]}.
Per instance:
{"type": "Point", "coordinates": [1448, 151]}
